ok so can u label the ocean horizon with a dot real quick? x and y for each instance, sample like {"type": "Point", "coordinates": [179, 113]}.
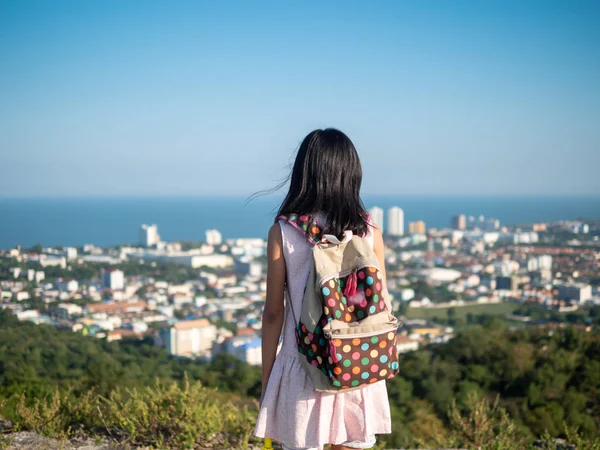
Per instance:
{"type": "Point", "coordinates": [104, 221]}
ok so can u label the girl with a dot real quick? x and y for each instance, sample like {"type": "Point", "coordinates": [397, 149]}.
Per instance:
{"type": "Point", "coordinates": [325, 184]}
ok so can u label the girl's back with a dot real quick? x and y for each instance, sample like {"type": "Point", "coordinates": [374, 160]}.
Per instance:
{"type": "Point", "coordinates": [291, 411]}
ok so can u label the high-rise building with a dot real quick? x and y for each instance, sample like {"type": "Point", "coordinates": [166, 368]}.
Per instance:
{"type": "Point", "coordinates": [113, 279]}
{"type": "Point", "coordinates": [417, 227]}
{"type": "Point", "coordinates": [149, 235]}
{"type": "Point", "coordinates": [189, 338]}
{"type": "Point", "coordinates": [395, 221]}
{"type": "Point", "coordinates": [377, 216]}
{"type": "Point", "coordinates": [507, 283]}
{"type": "Point", "coordinates": [539, 262]}
{"type": "Point", "coordinates": [213, 237]}
{"type": "Point", "coordinates": [575, 291]}
{"type": "Point", "coordinates": [459, 222]}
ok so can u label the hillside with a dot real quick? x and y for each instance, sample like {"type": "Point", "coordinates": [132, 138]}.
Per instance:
{"type": "Point", "coordinates": [57, 383]}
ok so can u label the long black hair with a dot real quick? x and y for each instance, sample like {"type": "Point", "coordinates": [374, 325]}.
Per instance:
{"type": "Point", "coordinates": [326, 179]}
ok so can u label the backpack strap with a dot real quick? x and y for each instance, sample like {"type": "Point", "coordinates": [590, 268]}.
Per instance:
{"type": "Point", "coordinates": [307, 225]}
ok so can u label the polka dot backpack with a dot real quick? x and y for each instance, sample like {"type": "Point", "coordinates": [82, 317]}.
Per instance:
{"type": "Point", "coordinates": [346, 334]}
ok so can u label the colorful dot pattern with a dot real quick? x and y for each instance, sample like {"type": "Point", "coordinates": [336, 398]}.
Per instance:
{"type": "Point", "coordinates": [358, 361]}
{"type": "Point", "coordinates": [351, 362]}
{"type": "Point", "coordinates": [367, 301]}
{"type": "Point", "coordinates": [348, 362]}
{"type": "Point", "coordinates": [307, 225]}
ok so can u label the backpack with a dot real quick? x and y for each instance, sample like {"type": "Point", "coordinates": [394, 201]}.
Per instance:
{"type": "Point", "coordinates": [346, 334]}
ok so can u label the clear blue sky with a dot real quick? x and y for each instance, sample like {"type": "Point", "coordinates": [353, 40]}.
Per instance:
{"type": "Point", "coordinates": [203, 98]}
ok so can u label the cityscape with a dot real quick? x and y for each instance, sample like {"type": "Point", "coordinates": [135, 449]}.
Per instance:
{"type": "Point", "coordinates": [201, 299]}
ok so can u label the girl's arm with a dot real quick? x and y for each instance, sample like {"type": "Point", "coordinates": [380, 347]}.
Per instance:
{"type": "Point", "coordinates": [272, 321]}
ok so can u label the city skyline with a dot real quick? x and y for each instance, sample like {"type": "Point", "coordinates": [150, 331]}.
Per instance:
{"type": "Point", "coordinates": [145, 99]}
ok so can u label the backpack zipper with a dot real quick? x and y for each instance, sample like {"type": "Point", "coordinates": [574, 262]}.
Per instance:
{"type": "Point", "coordinates": [329, 334]}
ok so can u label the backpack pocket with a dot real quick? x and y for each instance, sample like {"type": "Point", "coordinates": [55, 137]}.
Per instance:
{"type": "Point", "coordinates": [358, 358]}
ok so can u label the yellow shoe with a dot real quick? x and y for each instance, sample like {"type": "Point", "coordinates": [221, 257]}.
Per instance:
{"type": "Point", "coordinates": [268, 445]}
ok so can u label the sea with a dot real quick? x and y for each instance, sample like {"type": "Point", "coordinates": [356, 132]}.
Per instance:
{"type": "Point", "coordinates": [106, 221]}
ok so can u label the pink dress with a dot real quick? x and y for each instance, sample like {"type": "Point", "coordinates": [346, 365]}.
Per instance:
{"type": "Point", "coordinates": [294, 413]}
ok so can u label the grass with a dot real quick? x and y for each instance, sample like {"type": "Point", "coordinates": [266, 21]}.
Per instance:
{"type": "Point", "coordinates": [162, 416]}
{"type": "Point", "coordinates": [462, 311]}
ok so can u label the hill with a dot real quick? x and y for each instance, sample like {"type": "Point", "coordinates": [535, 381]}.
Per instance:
{"type": "Point", "coordinates": [539, 381]}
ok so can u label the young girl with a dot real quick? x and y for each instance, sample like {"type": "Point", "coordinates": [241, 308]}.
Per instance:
{"type": "Point", "coordinates": [325, 185]}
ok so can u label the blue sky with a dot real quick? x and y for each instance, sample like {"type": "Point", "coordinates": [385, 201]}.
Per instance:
{"type": "Point", "coordinates": [211, 98]}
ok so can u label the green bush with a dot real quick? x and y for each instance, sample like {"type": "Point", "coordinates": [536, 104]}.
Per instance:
{"type": "Point", "coordinates": [163, 415]}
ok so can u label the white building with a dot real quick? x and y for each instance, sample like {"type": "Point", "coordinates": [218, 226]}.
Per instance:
{"type": "Point", "coordinates": [113, 279]}
{"type": "Point", "coordinates": [192, 258]}
{"type": "Point", "coordinates": [67, 285]}
{"type": "Point", "coordinates": [395, 221]}
{"type": "Point", "coordinates": [51, 260]}
{"type": "Point", "coordinates": [405, 344]}
{"type": "Point", "coordinates": [244, 266]}
{"type": "Point", "coordinates": [28, 314]}
{"type": "Point", "coordinates": [459, 222]}
{"type": "Point", "coordinates": [490, 224]}
{"type": "Point", "coordinates": [70, 253]}
{"type": "Point", "coordinates": [575, 291]}
{"type": "Point", "coordinates": [67, 310]}
{"type": "Point", "coordinates": [527, 237]}
{"type": "Point", "coordinates": [149, 235]}
{"type": "Point", "coordinates": [189, 338]}
{"type": "Point", "coordinates": [213, 237]}
{"type": "Point", "coordinates": [539, 262]}
{"type": "Point", "coordinates": [245, 348]}
{"type": "Point", "coordinates": [377, 216]}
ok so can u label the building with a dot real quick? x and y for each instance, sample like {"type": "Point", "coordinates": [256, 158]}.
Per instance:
{"type": "Point", "coordinates": [575, 291]}
{"type": "Point", "coordinates": [189, 338]}
{"type": "Point", "coordinates": [213, 237]}
{"type": "Point", "coordinates": [490, 224]}
{"type": "Point", "coordinates": [67, 310]}
{"type": "Point", "coordinates": [404, 344]}
{"type": "Point", "coordinates": [248, 267]}
{"type": "Point", "coordinates": [70, 253]}
{"type": "Point", "coordinates": [539, 262]}
{"type": "Point", "coordinates": [246, 348]}
{"type": "Point", "coordinates": [395, 221]}
{"type": "Point", "coordinates": [417, 227]}
{"type": "Point", "coordinates": [507, 283]}
{"type": "Point", "coordinates": [68, 285]}
{"type": "Point", "coordinates": [459, 222]}
{"type": "Point", "coordinates": [149, 235]}
{"type": "Point", "coordinates": [115, 308]}
{"type": "Point", "coordinates": [113, 279]}
{"type": "Point", "coordinates": [377, 216]}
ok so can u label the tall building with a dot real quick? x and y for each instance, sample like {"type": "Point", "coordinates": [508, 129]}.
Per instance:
{"type": "Point", "coordinates": [417, 227]}
{"type": "Point", "coordinates": [507, 283]}
{"type": "Point", "coordinates": [213, 237]}
{"type": "Point", "coordinates": [149, 235]}
{"type": "Point", "coordinates": [459, 222]}
{"type": "Point", "coordinates": [490, 224]}
{"type": "Point", "coordinates": [189, 338]}
{"type": "Point", "coordinates": [575, 291]}
{"type": "Point", "coordinates": [539, 262]}
{"type": "Point", "coordinates": [247, 348]}
{"type": "Point", "coordinates": [113, 279]}
{"type": "Point", "coordinates": [377, 216]}
{"type": "Point", "coordinates": [395, 221]}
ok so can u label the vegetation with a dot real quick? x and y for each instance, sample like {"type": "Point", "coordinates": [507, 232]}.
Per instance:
{"type": "Point", "coordinates": [461, 311]}
{"type": "Point", "coordinates": [162, 415]}
{"type": "Point", "coordinates": [488, 388]}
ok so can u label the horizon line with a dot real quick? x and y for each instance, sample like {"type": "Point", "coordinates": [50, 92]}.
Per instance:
{"type": "Point", "coordinates": [272, 195]}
